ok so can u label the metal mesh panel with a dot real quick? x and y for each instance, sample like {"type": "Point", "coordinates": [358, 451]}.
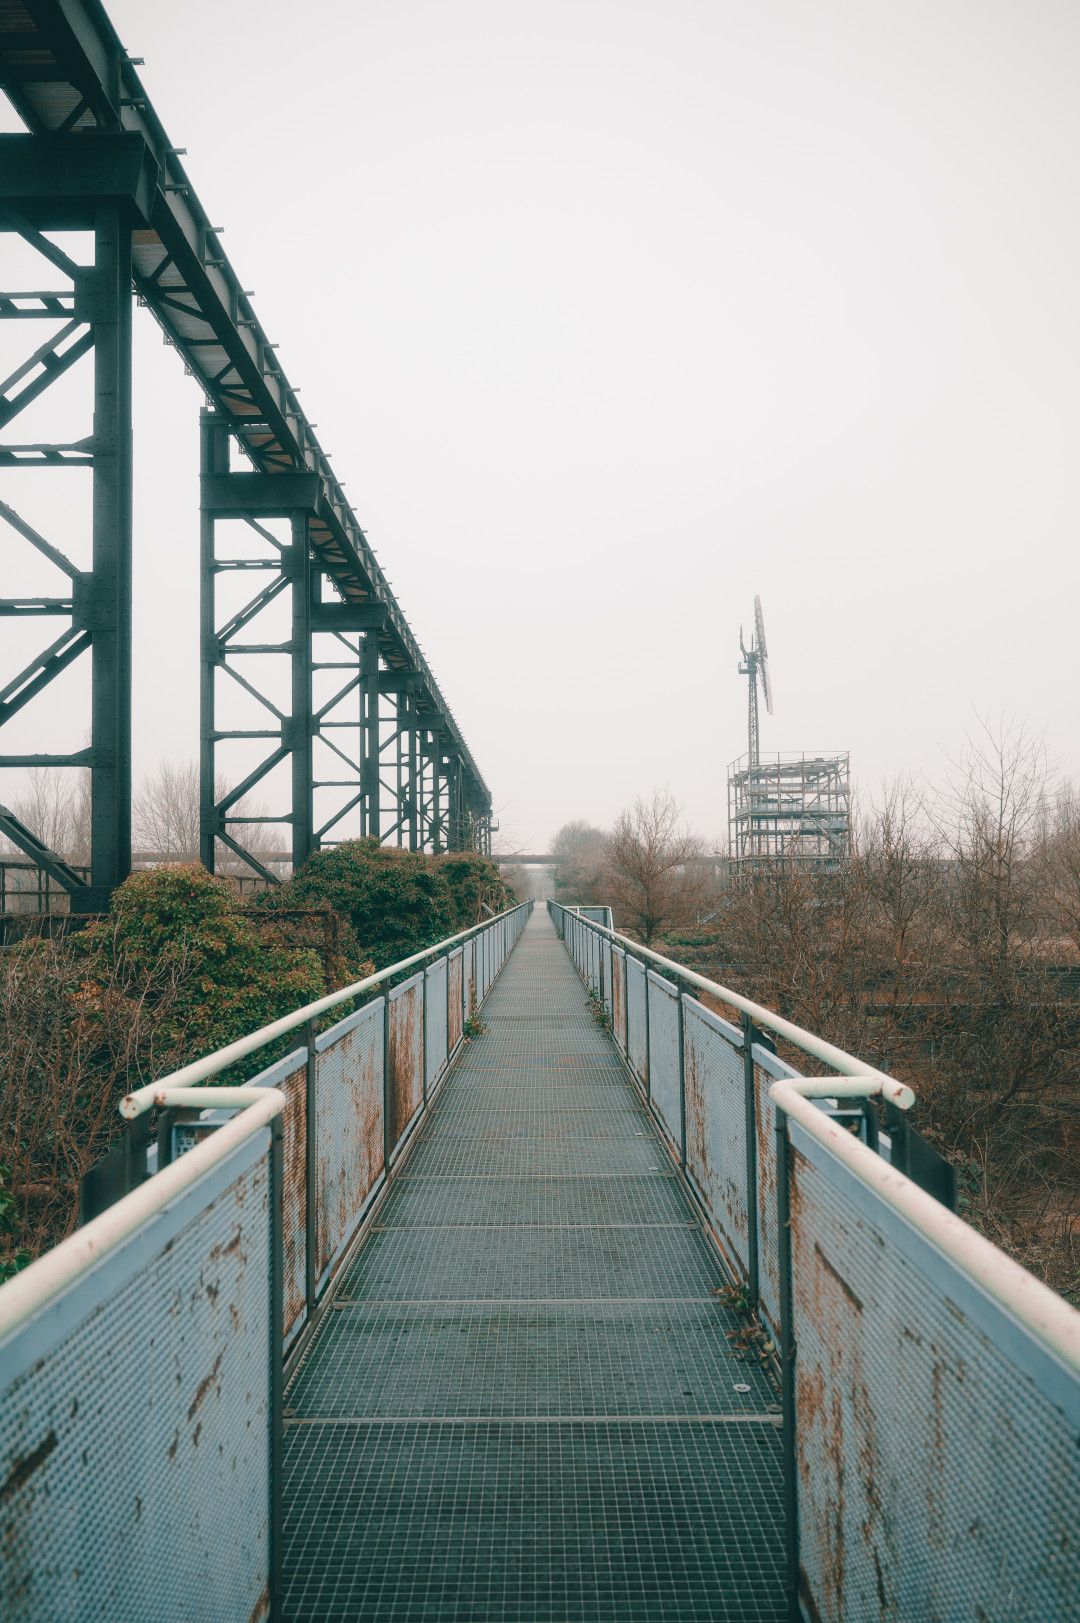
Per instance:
{"type": "Point", "coordinates": [937, 1439]}
{"type": "Point", "coordinates": [468, 970]}
{"type": "Point", "coordinates": [605, 964]}
{"type": "Point", "coordinates": [455, 973]}
{"type": "Point", "coordinates": [618, 997]}
{"type": "Point", "coordinates": [716, 1125]}
{"type": "Point", "coordinates": [768, 1244]}
{"type": "Point", "coordinates": [293, 1083]}
{"type": "Point", "coordinates": [405, 1054]}
{"type": "Point", "coordinates": [664, 1054]}
{"type": "Point", "coordinates": [638, 1032]}
{"type": "Point", "coordinates": [134, 1422]}
{"type": "Point", "coordinates": [435, 1020]}
{"type": "Point", "coordinates": [349, 1116]}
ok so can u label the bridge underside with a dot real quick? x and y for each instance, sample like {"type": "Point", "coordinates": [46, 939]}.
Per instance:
{"type": "Point", "coordinates": [526, 1399]}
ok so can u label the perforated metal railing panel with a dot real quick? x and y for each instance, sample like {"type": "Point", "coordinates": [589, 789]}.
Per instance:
{"type": "Point", "coordinates": [349, 1112]}
{"type": "Point", "coordinates": [526, 1400]}
{"type": "Point", "coordinates": [937, 1438]}
{"type": "Point", "coordinates": [716, 1126]}
{"type": "Point", "coordinates": [134, 1422]}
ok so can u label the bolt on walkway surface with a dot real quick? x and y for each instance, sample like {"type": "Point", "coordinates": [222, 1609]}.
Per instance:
{"type": "Point", "coordinates": [522, 1402]}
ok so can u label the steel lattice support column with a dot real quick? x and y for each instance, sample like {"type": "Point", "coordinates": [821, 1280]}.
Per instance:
{"type": "Point", "coordinates": [101, 187]}
{"type": "Point", "coordinates": [255, 498]}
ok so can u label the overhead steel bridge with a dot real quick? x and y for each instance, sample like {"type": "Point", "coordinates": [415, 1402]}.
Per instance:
{"type": "Point", "coordinates": [532, 1284]}
{"type": "Point", "coordinates": [314, 689]}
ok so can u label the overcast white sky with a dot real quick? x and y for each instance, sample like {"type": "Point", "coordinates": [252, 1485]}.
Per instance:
{"type": "Point", "coordinates": [614, 314]}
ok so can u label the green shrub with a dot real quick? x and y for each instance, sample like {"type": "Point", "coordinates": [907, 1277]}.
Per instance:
{"type": "Point", "coordinates": [396, 901]}
{"type": "Point", "coordinates": [183, 933]}
{"type": "Point", "coordinates": [475, 883]}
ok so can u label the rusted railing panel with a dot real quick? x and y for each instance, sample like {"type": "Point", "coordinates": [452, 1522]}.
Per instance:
{"type": "Point", "coordinates": [290, 1075]}
{"type": "Point", "coordinates": [936, 1435]}
{"type": "Point", "coordinates": [468, 971]}
{"type": "Point", "coordinates": [618, 997]}
{"type": "Point", "coordinates": [405, 1054]}
{"type": "Point", "coordinates": [767, 1068]}
{"type": "Point", "coordinates": [349, 1116]}
{"type": "Point", "coordinates": [638, 1054]}
{"type": "Point", "coordinates": [716, 1128]}
{"type": "Point", "coordinates": [135, 1417]}
{"type": "Point", "coordinates": [664, 1056]}
{"type": "Point", "coordinates": [435, 1027]}
{"type": "Point", "coordinates": [455, 971]}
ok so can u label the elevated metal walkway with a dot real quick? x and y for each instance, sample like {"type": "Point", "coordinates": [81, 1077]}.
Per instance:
{"type": "Point", "coordinates": [526, 1399]}
{"type": "Point", "coordinates": [410, 1326]}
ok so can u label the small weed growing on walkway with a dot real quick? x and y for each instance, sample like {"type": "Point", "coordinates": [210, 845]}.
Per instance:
{"type": "Point", "coordinates": [474, 1026]}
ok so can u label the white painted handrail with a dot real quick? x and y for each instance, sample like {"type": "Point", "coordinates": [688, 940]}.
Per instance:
{"type": "Point", "coordinates": [1034, 1304]}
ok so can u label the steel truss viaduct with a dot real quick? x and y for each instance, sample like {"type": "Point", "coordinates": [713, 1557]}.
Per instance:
{"type": "Point", "coordinates": [356, 735]}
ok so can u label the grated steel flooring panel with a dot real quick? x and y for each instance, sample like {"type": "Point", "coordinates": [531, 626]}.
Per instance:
{"type": "Point", "coordinates": [522, 1403]}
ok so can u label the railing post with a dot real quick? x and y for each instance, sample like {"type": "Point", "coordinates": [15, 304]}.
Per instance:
{"type": "Point", "coordinates": [388, 1142]}
{"type": "Point", "coordinates": [311, 1172]}
{"type": "Point", "coordinates": [682, 1075]}
{"type": "Point", "coordinates": [277, 1371]}
{"type": "Point", "coordinates": [423, 1038]}
{"type": "Point", "coordinates": [648, 1036]}
{"type": "Point", "coordinates": [787, 1350]}
{"type": "Point", "coordinates": [750, 1119]}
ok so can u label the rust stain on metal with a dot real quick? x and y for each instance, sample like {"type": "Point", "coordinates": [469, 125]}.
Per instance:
{"type": "Point", "coordinates": [839, 1278]}
{"type": "Point", "coordinates": [406, 1058]}
{"type": "Point", "coordinates": [24, 1468]}
{"type": "Point", "coordinates": [203, 1388]}
{"type": "Point", "coordinates": [350, 1133]}
{"type": "Point", "coordinates": [455, 972]}
{"type": "Point", "coordinates": [294, 1146]}
{"type": "Point", "coordinates": [261, 1608]}
{"type": "Point", "coordinates": [618, 996]}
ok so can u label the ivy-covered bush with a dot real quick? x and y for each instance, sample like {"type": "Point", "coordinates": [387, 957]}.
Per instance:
{"type": "Point", "coordinates": [475, 883]}
{"type": "Point", "coordinates": [174, 971]}
{"type": "Point", "coordinates": [396, 901]}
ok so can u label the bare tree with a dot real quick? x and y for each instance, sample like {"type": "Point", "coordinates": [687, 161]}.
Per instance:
{"type": "Point", "coordinates": [165, 814]}
{"type": "Point", "coordinates": [653, 868]}
{"type": "Point", "coordinates": [55, 804]}
{"type": "Point", "coordinates": [580, 851]}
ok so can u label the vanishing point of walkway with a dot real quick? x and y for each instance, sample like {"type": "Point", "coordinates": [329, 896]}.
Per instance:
{"type": "Point", "coordinates": [523, 1402]}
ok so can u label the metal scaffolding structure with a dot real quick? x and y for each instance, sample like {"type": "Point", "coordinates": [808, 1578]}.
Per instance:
{"type": "Point", "coordinates": [789, 808]}
{"type": "Point", "coordinates": [96, 161]}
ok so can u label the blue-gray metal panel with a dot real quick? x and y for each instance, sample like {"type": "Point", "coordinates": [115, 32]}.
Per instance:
{"type": "Point", "coordinates": [716, 1126]}
{"type": "Point", "coordinates": [635, 1003]}
{"type": "Point", "coordinates": [290, 1075]}
{"type": "Point", "coordinates": [618, 997]}
{"type": "Point", "coordinates": [435, 1021]}
{"type": "Point", "coordinates": [767, 1070]}
{"type": "Point", "coordinates": [469, 976]}
{"type": "Point", "coordinates": [664, 1055]}
{"type": "Point", "coordinates": [937, 1438]}
{"type": "Point", "coordinates": [455, 997]}
{"type": "Point", "coordinates": [349, 1123]}
{"type": "Point", "coordinates": [405, 1048]}
{"type": "Point", "coordinates": [134, 1421]}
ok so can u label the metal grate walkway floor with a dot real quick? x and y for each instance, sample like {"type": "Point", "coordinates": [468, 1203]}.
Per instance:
{"type": "Point", "coordinates": [523, 1403]}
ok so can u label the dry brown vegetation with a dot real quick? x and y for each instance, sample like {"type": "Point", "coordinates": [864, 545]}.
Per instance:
{"type": "Point", "coordinates": [947, 952]}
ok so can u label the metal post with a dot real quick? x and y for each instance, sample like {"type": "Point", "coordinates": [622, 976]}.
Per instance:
{"type": "Point", "coordinates": [436, 780]}
{"type": "Point", "coordinates": [750, 1119]}
{"type": "Point", "coordinates": [110, 610]}
{"type": "Point", "coordinates": [682, 1075]}
{"type": "Point", "coordinates": [311, 1171]}
{"type": "Point", "coordinates": [214, 459]}
{"type": "Point", "coordinates": [369, 769]}
{"type": "Point", "coordinates": [301, 725]}
{"type": "Point", "coordinates": [277, 1341]}
{"type": "Point", "coordinates": [423, 1041]}
{"type": "Point", "coordinates": [413, 775]}
{"type": "Point", "coordinates": [787, 1351]}
{"type": "Point", "coordinates": [388, 1140]}
{"type": "Point", "coordinates": [648, 1039]}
